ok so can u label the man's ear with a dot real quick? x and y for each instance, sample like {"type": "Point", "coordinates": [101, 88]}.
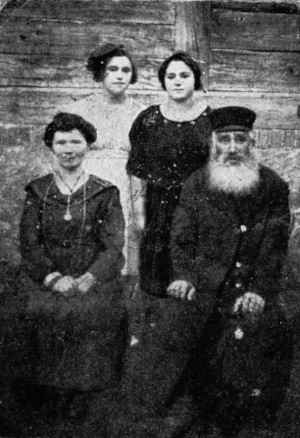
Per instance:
{"type": "Point", "coordinates": [212, 145]}
{"type": "Point", "coordinates": [251, 139]}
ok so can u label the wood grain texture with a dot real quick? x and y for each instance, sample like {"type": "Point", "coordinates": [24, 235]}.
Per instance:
{"type": "Point", "coordinates": [274, 111]}
{"type": "Point", "coordinates": [36, 106]}
{"type": "Point", "coordinates": [44, 38]}
{"type": "Point", "coordinates": [192, 33]}
{"type": "Point", "coordinates": [285, 161]}
{"type": "Point", "coordinates": [95, 11]}
{"type": "Point", "coordinates": [53, 72]}
{"type": "Point", "coordinates": [255, 31]}
{"type": "Point", "coordinates": [242, 70]}
{"type": "Point", "coordinates": [3, 3]}
{"type": "Point", "coordinates": [278, 6]}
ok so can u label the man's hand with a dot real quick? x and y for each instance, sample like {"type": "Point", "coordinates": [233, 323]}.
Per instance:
{"type": "Point", "coordinates": [65, 285]}
{"type": "Point", "coordinates": [181, 289]}
{"type": "Point", "coordinates": [249, 302]}
{"type": "Point", "coordinates": [85, 282]}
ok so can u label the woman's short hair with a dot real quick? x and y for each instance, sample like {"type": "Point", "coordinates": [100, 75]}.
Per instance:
{"type": "Point", "coordinates": [188, 60]}
{"type": "Point", "coordinates": [67, 122]}
{"type": "Point", "coordinates": [99, 58]}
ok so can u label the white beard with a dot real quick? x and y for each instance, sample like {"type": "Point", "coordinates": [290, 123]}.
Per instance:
{"type": "Point", "coordinates": [237, 179]}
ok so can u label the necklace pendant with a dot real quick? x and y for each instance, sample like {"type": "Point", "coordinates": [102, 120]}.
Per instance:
{"type": "Point", "coordinates": [67, 216]}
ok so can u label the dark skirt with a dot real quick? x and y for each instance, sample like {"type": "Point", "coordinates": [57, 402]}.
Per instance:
{"type": "Point", "coordinates": [155, 260]}
{"type": "Point", "coordinates": [76, 342]}
{"type": "Point", "coordinates": [59, 353]}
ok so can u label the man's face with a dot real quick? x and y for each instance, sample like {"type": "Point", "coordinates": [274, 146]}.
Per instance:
{"type": "Point", "coordinates": [231, 147]}
{"type": "Point", "coordinates": [233, 167]}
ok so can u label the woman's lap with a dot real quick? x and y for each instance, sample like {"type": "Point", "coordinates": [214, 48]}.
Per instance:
{"type": "Point", "coordinates": [75, 343]}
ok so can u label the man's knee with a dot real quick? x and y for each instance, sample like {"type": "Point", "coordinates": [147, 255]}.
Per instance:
{"type": "Point", "coordinates": [174, 322]}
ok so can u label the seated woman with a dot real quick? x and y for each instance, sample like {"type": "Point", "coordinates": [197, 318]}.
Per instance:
{"type": "Point", "coordinates": [71, 236]}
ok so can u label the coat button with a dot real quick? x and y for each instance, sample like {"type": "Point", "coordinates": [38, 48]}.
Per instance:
{"type": "Point", "coordinates": [133, 341]}
{"type": "Point", "coordinates": [243, 228]}
{"type": "Point", "coordinates": [238, 333]}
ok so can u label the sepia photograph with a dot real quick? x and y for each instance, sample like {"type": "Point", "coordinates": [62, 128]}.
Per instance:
{"type": "Point", "coordinates": [150, 218]}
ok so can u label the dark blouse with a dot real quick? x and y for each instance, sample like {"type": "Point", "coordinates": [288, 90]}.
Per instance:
{"type": "Point", "coordinates": [77, 341]}
{"type": "Point", "coordinates": [92, 241]}
{"type": "Point", "coordinates": [163, 153]}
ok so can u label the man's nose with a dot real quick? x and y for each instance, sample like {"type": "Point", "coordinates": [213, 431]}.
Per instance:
{"type": "Point", "coordinates": [232, 145]}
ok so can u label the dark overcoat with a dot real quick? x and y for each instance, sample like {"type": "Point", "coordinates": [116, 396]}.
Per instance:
{"type": "Point", "coordinates": [226, 245]}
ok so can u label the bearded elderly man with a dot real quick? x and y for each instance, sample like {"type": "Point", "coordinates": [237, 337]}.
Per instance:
{"type": "Point", "coordinates": [229, 242]}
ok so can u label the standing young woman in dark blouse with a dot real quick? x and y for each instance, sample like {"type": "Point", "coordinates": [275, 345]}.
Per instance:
{"type": "Point", "coordinates": [168, 142]}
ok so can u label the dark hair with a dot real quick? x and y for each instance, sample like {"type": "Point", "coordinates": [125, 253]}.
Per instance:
{"type": "Point", "coordinates": [99, 58]}
{"type": "Point", "coordinates": [66, 122]}
{"type": "Point", "coordinates": [188, 60]}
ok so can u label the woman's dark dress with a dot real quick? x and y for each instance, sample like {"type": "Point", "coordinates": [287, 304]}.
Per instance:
{"type": "Point", "coordinates": [163, 153]}
{"type": "Point", "coordinates": [92, 241]}
{"type": "Point", "coordinates": [74, 343]}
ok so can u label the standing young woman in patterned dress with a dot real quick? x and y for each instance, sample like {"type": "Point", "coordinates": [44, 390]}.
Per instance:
{"type": "Point", "coordinates": [112, 112]}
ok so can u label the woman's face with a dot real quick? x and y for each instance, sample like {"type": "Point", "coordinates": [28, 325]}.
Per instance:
{"type": "Point", "coordinates": [179, 81]}
{"type": "Point", "coordinates": [69, 148]}
{"type": "Point", "coordinates": [117, 75]}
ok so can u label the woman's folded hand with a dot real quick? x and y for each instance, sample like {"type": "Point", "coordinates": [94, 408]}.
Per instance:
{"type": "Point", "coordinates": [65, 285]}
{"type": "Point", "coordinates": [85, 282]}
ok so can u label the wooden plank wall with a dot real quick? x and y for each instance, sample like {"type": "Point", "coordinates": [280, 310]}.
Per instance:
{"type": "Point", "coordinates": [249, 52]}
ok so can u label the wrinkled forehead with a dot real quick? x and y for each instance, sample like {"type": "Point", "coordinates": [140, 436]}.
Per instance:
{"type": "Point", "coordinates": [232, 128]}
{"type": "Point", "coordinates": [242, 132]}
{"type": "Point", "coordinates": [223, 138]}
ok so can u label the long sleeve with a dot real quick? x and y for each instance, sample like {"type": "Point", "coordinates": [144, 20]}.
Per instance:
{"type": "Point", "coordinates": [137, 164]}
{"type": "Point", "coordinates": [184, 240]}
{"type": "Point", "coordinates": [110, 234]}
{"type": "Point", "coordinates": [189, 259]}
{"type": "Point", "coordinates": [143, 161]}
{"type": "Point", "coordinates": [34, 258]}
{"type": "Point", "coordinates": [268, 265]}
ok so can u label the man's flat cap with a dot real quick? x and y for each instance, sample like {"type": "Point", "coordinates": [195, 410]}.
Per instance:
{"type": "Point", "coordinates": [232, 118]}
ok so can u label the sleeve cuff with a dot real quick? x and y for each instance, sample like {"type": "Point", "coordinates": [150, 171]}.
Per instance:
{"type": "Point", "coordinates": [51, 278]}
